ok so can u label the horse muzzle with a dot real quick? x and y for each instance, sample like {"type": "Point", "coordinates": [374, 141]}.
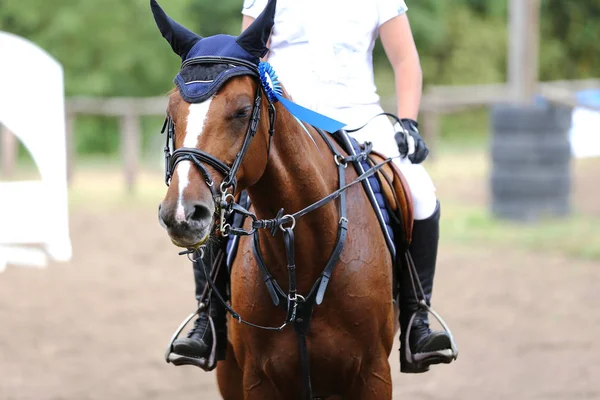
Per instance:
{"type": "Point", "coordinates": [188, 225]}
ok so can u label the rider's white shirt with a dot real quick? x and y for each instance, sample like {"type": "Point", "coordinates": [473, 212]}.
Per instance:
{"type": "Point", "coordinates": [322, 52]}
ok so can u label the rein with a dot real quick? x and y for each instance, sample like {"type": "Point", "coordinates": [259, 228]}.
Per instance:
{"type": "Point", "coordinates": [279, 222]}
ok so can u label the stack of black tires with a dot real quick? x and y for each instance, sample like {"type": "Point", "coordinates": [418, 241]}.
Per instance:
{"type": "Point", "coordinates": [531, 161]}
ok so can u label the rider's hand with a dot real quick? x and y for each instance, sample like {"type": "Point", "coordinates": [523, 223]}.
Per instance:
{"type": "Point", "coordinates": [410, 142]}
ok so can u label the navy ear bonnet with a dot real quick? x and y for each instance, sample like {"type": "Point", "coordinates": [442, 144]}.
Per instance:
{"type": "Point", "coordinates": [210, 62]}
{"type": "Point", "coordinates": [199, 79]}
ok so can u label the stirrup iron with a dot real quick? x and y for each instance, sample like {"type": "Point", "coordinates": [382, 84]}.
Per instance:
{"type": "Point", "coordinates": [179, 359]}
{"type": "Point", "coordinates": [418, 360]}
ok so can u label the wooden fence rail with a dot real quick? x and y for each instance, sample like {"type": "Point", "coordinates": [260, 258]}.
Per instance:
{"type": "Point", "coordinates": [437, 101]}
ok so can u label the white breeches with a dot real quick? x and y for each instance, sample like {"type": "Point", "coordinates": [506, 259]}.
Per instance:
{"type": "Point", "coordinates": [380, 132]}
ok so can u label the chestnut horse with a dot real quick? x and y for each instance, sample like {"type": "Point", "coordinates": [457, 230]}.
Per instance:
{"type": "Point", "coordinates": [284, 165]}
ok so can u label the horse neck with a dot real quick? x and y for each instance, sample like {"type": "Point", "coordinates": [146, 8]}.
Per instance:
{"type": "Point", "coordinates": [298, 174]}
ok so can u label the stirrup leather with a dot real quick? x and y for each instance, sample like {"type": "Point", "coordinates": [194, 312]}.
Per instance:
{"type": "Point", "coordinates": [423, 360]}
{"type": "Point", "coordinates": [207, 364]}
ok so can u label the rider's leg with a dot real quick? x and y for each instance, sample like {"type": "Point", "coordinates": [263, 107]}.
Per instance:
{"type": "Point", "coordinates": [429, 347]}
{"type": "Point", "coordinates": [199, 340]}
{"type": "Point", "coordinates": [423, 248]}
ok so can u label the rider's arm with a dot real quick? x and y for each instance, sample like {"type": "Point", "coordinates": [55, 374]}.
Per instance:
{"type": "Point", "coordinates": [246, 21]}
{"type": "Point", "coordinates": [397, 39]}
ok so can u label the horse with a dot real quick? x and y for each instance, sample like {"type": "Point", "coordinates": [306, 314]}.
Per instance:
{"type": "Point", "coordinates": [239, 139]}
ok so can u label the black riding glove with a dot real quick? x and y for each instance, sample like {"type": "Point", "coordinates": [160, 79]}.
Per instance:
{"type": "Point", "coordinates": [410, 142]}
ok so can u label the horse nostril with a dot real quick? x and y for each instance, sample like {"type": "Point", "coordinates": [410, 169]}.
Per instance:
{"type": "Point", "coordinates": [200, 213]}
{"type": "Point", "coordinates": [165, 217]}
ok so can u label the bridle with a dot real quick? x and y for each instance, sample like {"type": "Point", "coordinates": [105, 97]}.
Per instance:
{"type": "Point", "coordinates": [199, 157]}
{"type": "Point", "coordinates": [299, 308]}
{"type": "Point", "coordinates": [226, 205]}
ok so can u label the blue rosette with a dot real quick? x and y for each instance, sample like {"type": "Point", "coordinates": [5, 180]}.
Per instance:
{"type": "Point", "coordinates": [270, 81]}
{"type": "Point", "coordinates": [272, 87]}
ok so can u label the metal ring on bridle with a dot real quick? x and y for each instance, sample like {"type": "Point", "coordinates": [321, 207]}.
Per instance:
{"type": "Point", "coordinates": [339, 160]}
{"type": "Point", "coordinates": [199, 249]}
{"type": "Point", "coordinates": [228, 196]}
{"type": "Point", "coordinates": [297, 297]}
{"type": "Point", "coordinates": [224, 230]}
{"type": "Point", "coordinates": [223, 190]}
{"type": "Point", "coordinates": [287, 216]}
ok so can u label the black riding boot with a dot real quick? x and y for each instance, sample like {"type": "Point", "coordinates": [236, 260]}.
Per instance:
{"type": "Point", "coordinates": [199, 340]}
{"type": "Point", "coordinates": [427, 347]}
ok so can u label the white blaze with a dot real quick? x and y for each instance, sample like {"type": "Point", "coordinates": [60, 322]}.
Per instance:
{"type": "Point", "coordinates": [195, 122]}
{"type": "Point", "coordinates": [183, 170]}
{"type": "Point", "coordinates": [194, 128]}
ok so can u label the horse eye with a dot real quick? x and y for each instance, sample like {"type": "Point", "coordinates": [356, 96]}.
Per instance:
{"type": "Point", "coordinates": [243, 112]}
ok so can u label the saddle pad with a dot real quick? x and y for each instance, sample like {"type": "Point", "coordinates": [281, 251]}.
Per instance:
{"type": "Point", "coordinates": [398, 196]}
{"type": "Point", "coordinates": [376, 186]}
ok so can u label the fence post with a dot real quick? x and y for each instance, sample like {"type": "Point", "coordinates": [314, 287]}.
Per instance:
{"type": "Point", "coordinates": [130, 139]}
{"type": "Point", "coordinates": [10, 150]}
{"type": "Point", "coordinates": [523, 49]}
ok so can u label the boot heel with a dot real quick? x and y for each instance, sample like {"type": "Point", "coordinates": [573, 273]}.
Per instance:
{"type": "Point", "coordinates": [410, 368]}
{"type": "Point", "coordinates": [203, 363]}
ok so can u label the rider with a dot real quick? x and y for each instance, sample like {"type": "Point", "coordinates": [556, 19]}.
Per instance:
{"type": "Point", "coordinates": [323, 56]}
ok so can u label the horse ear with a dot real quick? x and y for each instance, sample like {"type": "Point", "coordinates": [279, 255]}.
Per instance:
{"type": "Point", "coordinates": [180, 38]}
{"type": "Point", "coordinates": [254, 39]}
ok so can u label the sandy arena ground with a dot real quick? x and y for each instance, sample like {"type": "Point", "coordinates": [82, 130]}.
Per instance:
{"type": "Point", "coordinates": [527, 324]}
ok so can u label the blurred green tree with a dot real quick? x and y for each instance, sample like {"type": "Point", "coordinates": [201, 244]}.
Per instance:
{"type": "Point", "coordinates": [461, 41]}
{"type": "Point", "coordinates": [570, 39]}
{"type": "Point", "coordinates": [112, 47]}
{"type": "Point", "coordinates": [108, 48]}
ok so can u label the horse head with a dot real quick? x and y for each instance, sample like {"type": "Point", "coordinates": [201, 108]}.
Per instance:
{"type": "Point", "coordinates": [219, 124]}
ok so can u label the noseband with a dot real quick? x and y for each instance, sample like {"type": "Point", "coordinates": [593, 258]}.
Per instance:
{"type": "Point", "coordinates": [199, 157]}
